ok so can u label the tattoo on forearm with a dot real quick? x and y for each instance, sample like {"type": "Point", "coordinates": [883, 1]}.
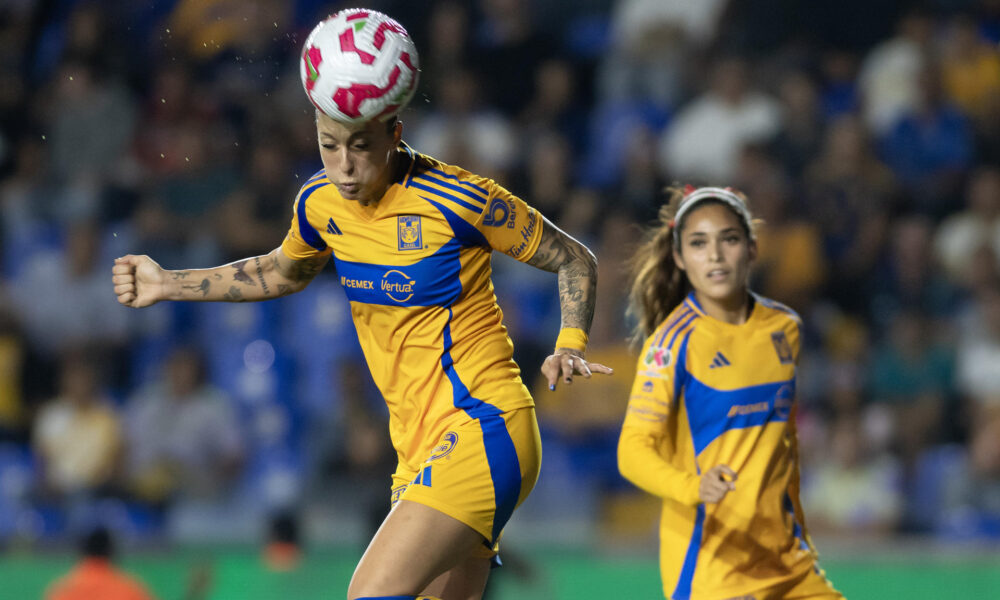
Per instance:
{"type": "Point", "coordinates": [201, 287]}
{"type": "Point", "coordinates": [175, 275]}
{"type": "Point", "coordinates": [240, 275]}
{"type": "Point", "coordinates": [260, 276]}
{"type": "Point", "coordinates": [234, 295]}
{"type": "Point", "coordinates": [577, 295]}
{"type": "Point", "coordinates": [217, 276]}
{"type": "Point", "coordinates": [559, 253]}
{"type": "Point", "coordinates": [283, 289]}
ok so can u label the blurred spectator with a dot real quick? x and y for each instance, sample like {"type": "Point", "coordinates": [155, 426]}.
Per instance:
{"type": "Point", "coordinates": [283, 547]}
{"type": "Point", "coordinates": [652, 42]}
{"type": "Point", "coordinates": [911, 375]}
{"type": "Point", "coordinates": [78, 437]}
{"type": "Point", "coordinates": [907, 276]}
{"type": "Point", "coordinates": [972, 490]}
{"type": "Point", "coordinates": [889, 73]}
{"type": "Point", "coordinates": [257, 213]}
{"type": "Point", "coordinates": [703, 142]}
{"type": "Point", "coordinates": [95, 576]}
{"type": "Point", "coordinates": [555, 106]}
{"type": "Point", "coordinates": [801, 135]}
{"type": "Point", "coordinates": [848, 193]}
{"type": "Point", "coordinates": [641, 183]}
{"type": "Point", "coordinates": [91, 122]}
{"type": "Point", "coordinates": [447, 43]}
{"type": "Point", "coordinates": [977, 226]}
{"type": "Point", "coordinates": [790, 262]}
{"type": "Point", "coordinates": [461, 128]}
{"type": "Point", "coordinates": [508, 41]}
{"type": "Point", "coordinates": [929, 147]}
{"type": "Point", "coordinates": [839, 90]}
{"type": "Point", "coordinates": [184, 438]}
{"type": "Point", "coordinates": [970, 68]}
{"type": "Point", "coordinates": [14, 425]}
{"type": "Point", "coordinates": [62, 299]}
{"type": "Point", "coordinates": [31, 202]}
{"type": "Point", "coordinates": [549, 172]}
{"type": "Point", "coordinates": [857, 490]}
{"type": "Point", "coordinates": [207, 28]}
{"type": "Point", "coordinates": [979, 351]}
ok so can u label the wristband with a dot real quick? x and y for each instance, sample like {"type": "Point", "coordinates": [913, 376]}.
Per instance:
{"type": "Point", "coordinates": [572, 338]}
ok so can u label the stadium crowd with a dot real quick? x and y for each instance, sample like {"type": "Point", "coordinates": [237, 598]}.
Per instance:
{"type": "Point", "coordinates": [866, 135]}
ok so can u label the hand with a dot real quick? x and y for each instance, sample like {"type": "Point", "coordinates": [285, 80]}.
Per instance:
{"type": "Point", "coordinates": [565, 363]}
{"type": "Point", "coordinates": [138, 280]}
{"type": "Point", "coordinates": [714, 484]}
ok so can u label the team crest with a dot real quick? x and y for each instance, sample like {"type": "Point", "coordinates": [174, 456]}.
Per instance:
{"type": "Point", "coordinates": [658, 357]}
{"type": "Point", "coordinates": [409, 234]}
{"type": "Point", "coordinates": [782, 347]}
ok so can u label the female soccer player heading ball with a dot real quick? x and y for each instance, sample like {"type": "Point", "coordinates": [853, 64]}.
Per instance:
{"type": "Point", "coordinates": [411, 239]}
{"type": "Point", "coordinates": [710, 426]}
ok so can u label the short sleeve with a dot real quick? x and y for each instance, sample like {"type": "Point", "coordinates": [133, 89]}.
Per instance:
{"type": "Point", "coordinates": [510, 225]}
{"type": "Point", "coordinates": [303, 240]}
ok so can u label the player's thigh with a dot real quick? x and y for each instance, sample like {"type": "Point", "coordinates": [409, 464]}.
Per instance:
{"type": "Point", "coordinates": [412, 548]}
{"type": "Point", "coordinates": [464, 581]}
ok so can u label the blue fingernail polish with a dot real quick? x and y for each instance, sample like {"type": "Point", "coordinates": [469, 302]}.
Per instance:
{"type": "Point", "coordinates": [552, 387]}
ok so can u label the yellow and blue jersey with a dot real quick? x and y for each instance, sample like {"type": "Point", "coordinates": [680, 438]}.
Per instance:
{"type": "Point", "coordinates": [706, 393]}
{"type": "Point", "coordinates": [416, 270]}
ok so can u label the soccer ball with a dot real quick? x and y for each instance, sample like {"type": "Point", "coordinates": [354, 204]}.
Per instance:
{"type": "Point", "coordinates": [359, 65]}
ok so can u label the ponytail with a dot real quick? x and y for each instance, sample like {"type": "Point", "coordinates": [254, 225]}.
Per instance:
{"type": "Point", "coordinates": [658, 285]}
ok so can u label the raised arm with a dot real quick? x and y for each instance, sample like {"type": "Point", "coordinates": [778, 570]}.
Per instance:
{"type": "Point", "coordinates": [577, 269]}
{"type": "Point", "coordinates": [139, 281]}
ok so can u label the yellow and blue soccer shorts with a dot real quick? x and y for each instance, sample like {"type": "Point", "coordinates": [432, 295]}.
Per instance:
{"type": "Point", "coordinates": [812, 584]}
{"type": "Point", "coordinates": [478, 472]}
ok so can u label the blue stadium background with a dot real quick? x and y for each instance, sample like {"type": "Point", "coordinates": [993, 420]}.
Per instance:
{"type": "Point", "coordinates": [866, 134]}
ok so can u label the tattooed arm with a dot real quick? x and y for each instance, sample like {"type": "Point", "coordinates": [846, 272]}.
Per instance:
{"type": "Point", "coordinates": [577, 268]}
{"type": "Point", "coordinates": [140, 282]}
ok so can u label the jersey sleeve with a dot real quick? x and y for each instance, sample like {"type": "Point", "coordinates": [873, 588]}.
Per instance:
{"type": "Point", "coordinates": [509, 224]}
{"type": "Point", "coordinates": [303, 240]}
{"type": "Point", "coordinates": [645, 428]}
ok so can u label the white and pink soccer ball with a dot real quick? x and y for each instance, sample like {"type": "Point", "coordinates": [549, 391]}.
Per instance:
{"type": "Point", "coordinates": [359, 65]}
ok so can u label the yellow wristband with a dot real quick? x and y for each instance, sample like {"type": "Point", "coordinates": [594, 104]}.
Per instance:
{"type": "Point", "coordinates": [572, 338]}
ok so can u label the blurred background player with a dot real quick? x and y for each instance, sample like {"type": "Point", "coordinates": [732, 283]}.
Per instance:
{"type": "Point", "coordinates": [95, 576]}
{"type": "Point", "coordinates": [710, 425]}
{"type": "Point", "coordinates": [411, 238]}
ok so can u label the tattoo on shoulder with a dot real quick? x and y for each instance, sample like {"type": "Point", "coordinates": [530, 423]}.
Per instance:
{"type": "Point", "coordinates": [240, 275]}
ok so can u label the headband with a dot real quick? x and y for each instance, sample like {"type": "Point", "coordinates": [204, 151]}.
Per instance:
{"type": "Point", "coordinates": [711, 193]}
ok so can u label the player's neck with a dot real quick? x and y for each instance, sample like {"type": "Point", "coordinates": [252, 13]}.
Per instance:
{"type": "Point", "coordinates": [394, 172]}
{"type": "Point", "coordinates": [735, 310]}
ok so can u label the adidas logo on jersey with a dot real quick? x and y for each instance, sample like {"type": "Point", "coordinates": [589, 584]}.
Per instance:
{"type": "Point", "coordinates": [719, 361]}
{"type": "Point", "coordinates": [331, 227]}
